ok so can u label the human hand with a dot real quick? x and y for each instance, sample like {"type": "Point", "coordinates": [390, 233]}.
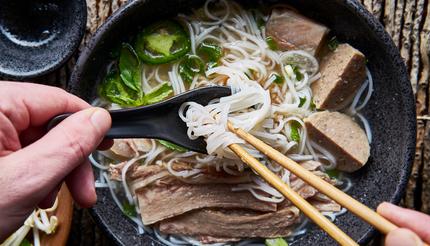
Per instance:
{"type": "Point", "coordinates": [34, 163]}
{"type": "Point", "coordinates": [413, 225]}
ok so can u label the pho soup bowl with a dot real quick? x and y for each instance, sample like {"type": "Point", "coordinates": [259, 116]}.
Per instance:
{"type": "Point", "coordinates": [390, 111]}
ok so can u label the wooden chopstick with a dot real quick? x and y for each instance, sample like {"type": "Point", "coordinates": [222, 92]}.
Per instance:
{"type": "Point", "coordinates": [354, 206]}
{"type": "Point", "coordinates": [304, 206]}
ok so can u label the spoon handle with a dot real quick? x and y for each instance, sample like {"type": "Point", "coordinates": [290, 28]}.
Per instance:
{"type": "Point", "coordinates": [122, 125]}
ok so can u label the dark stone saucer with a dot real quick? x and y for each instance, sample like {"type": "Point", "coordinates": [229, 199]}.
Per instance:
{"type": "Point", "coordinates": [38, 36]}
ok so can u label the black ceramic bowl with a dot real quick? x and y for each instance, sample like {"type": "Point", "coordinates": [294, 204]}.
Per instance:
{"type": "Point", "coordinates": [38, 36]}
{"type": "Point", "coordinates": [391, 110]}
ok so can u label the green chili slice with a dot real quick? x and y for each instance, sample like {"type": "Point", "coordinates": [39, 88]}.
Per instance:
{"type": "Point", "coordinates": [162, 42]}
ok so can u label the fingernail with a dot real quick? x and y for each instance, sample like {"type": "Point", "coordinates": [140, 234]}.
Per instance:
{"type": "Point", "coordinates": [383, 206]}
{"type": "Point", "coordinates": [101, 120]}
{"type": "Point", "coordinates": [403, 237]}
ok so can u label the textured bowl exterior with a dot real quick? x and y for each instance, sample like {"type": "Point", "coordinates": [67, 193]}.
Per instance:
{"type": "Point", "coordinates": [391, 110]}
{"type": "Point", "coordinates": [20, 62]}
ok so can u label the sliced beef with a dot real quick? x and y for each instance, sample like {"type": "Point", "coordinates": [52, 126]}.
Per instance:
{"type": "Point", "coordinates": [341, 136]}
{"type": "Point", "coordinates": [125, 149]}
{"type": "Point", "coordinates": [311, 165]}
{"type": "Point", "coordinates": [343, 71]}
{"type": "Point", "coordinates": [293, 31]}
{"type": "Point", "coordinates": [232, 223]}
{"type": "Point", "coordinates": [161, 195]}
{"type": "Point", "coordinates": [210, 239]}
{"type": "Point", "coordinates": [329, 206]}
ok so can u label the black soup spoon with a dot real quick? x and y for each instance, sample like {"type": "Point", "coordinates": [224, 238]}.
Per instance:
{"type": "Point", "coordinates": [159, 120]}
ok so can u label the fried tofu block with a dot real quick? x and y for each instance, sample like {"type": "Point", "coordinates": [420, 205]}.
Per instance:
{"type": "Point", "coordinates": [341, 136]}
{"type": "Point", "coordinates": [343, 71]}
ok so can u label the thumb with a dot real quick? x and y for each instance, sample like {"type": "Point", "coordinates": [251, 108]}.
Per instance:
{"type": "Point", "coordinates": [50, 159]}
{"type": "Point", "coordinates": [402, 237]}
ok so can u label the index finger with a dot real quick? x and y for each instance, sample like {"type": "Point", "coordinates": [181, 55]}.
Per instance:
{"type": "Point", "coordinates": [27, 104]}
{"type": "Point", "coordinates": [407, 218]}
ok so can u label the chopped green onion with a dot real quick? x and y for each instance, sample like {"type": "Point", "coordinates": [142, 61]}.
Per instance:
{"type": "Point", "coordinates": [271, 43]}
{"type": "Point", "coordinates": [173, 146]}
{"type": "Point", "coordinates": [211, 51]}
{"type": "Point", "coordinates": [302, 101]}
{"type": "Point", "coordinates": [162, 42]}
{"type": "Point", "coordinates": [333, 43]}
{"type": "Point", "coordinates": [276, 242]}
{"type": "Point", "coordinates": [333, 173]}
{"type": "Point", "coordinates": [296, 70]}
{"type": "Point", "coordinates": [278, 79]}
{"type": "Point", "coordinates": [129, 67]}
{"type": "Point", "coordinates": [189, 67]}
{"type": "Point", "coordinates": [295, 134]}
{"type": "Point", "coordinates": [129, 209]}
{"type": "Point", "coordinates": [312, 105]}
{"type": "Point", "coordinates": [158, 94]}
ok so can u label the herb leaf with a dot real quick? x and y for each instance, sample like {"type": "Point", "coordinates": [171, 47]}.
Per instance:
{"type": "Point", "coordinates": [212, 51]}
{"type": "Point", "coordinates": [130, 67]}
{"type": "Point", "coordinates": [158, 94]}
{"type": "Point", "coordinates": [333, 173]}
{"type": "Point", "coordinates": [129, 209]}
{"type": "Point", "coordinates": [114, 90]}
{"type": "Point", "coordinates": [189, 67]}
{"type": "Point", "coordinates": [276, 242]}
{"type": "Point", "coordinates": [173, 146]}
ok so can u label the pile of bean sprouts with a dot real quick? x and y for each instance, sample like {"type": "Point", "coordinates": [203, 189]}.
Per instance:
{"type": "Point", "coordinates": [38, 221]}
{"type": "Point", "coordinates": [259, 105]}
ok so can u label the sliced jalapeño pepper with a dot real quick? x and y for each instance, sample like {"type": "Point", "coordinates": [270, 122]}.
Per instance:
{"type": "Point", "coordinates": [162, 42]}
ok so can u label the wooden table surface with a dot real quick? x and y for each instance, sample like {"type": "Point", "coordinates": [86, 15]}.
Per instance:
{"type": "Point", "coordinates": [407, 21]}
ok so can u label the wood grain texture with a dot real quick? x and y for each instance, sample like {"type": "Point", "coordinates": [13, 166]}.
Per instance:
{"type": "Point", "coordinates": [64, 213]}
{"type": "Point", "coordinates": [407, 21]}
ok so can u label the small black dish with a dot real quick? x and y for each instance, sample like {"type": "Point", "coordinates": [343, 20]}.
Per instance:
{"type": "Point", "coordinates": [38, 36]}
{"type": "Point", "coordinates": [390, 111]}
